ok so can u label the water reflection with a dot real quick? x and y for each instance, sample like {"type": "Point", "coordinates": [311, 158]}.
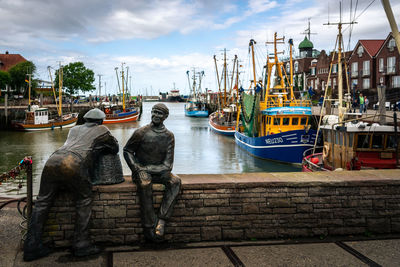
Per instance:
{"type": "Point", "coordinates": [197, 149]}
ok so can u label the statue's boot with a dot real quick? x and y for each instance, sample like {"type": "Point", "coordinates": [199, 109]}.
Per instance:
{"type": "Point", "coordinates": [33, 245]}
{"type": "Point", "coordinates": [149, 234]}
{"type": "Point", "coordinates": [83, 245]}
{"type": "Point", "coordinates": [160, 229]}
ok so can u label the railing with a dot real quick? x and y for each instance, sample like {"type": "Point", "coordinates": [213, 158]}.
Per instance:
{"type": "Point", "coordinates": [293, 103]}
{"type": "Point", "coordinates": [12, 176]}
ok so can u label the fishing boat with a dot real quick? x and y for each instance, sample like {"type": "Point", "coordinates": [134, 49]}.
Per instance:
{"type": "Point", "coordinates": [223, 120]}
{"type": "Point", "coordinates": [174, 95]}
{"type": "Point", "coordinates": [117, 113]}
{"type": "Point", "coordinates": [354, 141]}
{"type": "Point", "coordinates": [196, 103]}
{"type": "Point", "coordinates": [37, 118]}
{"type": "Point", "coordinates": [275, 125]}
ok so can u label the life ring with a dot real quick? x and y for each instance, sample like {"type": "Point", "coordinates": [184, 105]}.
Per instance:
{"type": "Point", "coordinates": [325, 152]}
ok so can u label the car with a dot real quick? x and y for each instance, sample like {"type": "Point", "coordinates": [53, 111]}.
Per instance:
{"type": "Point", "coordinates": [376, 106]}
{"type": "Point", "coordinates": [397, 105]}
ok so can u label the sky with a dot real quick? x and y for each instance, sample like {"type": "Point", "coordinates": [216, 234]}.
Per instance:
{"type": "Point", "coordinates": [160, 40]}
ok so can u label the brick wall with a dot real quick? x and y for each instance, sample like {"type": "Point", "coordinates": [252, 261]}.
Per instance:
{"type": "Point", "coordinates": [246, 206]}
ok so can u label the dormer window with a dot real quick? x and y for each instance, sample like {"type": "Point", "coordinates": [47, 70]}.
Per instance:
{"type": "Point", "coordinates": [360, 51]}
{"type": "Point", "coordinates": [391, 44]}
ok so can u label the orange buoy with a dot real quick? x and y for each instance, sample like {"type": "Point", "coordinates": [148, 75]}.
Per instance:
{"type": "Point", "coordinates": [315, 160]}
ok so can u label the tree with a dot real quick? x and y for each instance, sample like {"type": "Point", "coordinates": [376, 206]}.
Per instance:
{"type": "Point", "coordinates": [76, 77]}
{"type": "Point", "coordinates": [18, 74]}
{"type": "Point", "coordinates": [5, 79]}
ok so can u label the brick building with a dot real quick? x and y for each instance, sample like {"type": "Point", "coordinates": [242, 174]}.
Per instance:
{"type": "Point", "coordinates": [8, 60]}
{"type": "Point", "coordinates": [301, 64]}
{"type": "Point", "coordinates": [362, 66]}
{"type": "Point", "coordinates": [387, 71]}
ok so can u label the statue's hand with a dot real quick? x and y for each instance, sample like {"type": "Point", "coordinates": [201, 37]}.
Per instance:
{"type": "Point", "coordinates": [143, 175]}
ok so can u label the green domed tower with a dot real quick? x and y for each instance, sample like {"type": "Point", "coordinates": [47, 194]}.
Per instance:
{"type": "Point", "coordinates": [306, 47]}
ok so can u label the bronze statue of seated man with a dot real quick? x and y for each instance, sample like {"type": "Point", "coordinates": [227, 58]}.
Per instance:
{"type": "Point", "coordinates": [71, 167]}
{"type": "Point", "coordinates": [150, 155]}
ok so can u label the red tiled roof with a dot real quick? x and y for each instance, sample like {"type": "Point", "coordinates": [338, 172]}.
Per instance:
{"type": "Point", "coordinates": [372, 46]}
{"type": "Point", "coordinates": [9, 60]}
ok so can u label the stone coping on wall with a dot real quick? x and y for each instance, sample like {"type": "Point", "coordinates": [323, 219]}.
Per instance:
{"type": "Point", "coordinates": [257, 179]}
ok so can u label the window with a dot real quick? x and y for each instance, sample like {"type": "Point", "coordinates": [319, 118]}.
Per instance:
{"type": "Point", "coordinates": [366, 67]}
{"type": "Point", "coordinates": [377, 141]}
{"type": "Point", "coordinates": [366, 83]}
{"type": "Point", "coordinates": [340, 138]}
{"type": "Point", "coordinates": [334, 68]}
{"type": "Point", "coordinates": [323, 85]}
{"type": "Point", "coordinates": [277, 121]}
{"type": "Point", "coordinates": [391, 44]}
{"type": "Point", "coordinates": [354, 69]}
{"type": "Point", "coordinates": [313, 71]}
{"type": "Point", "coordinates": [360, 51]}
{"type": "Point", "coordinates": [381, 67]}
{"type": "Point", "coordinates": [363, 141]}
{"type": "Point", "coordinates": [391, 142]}
{"type": "Point", "coordinates": [334, 82]}
{"type": "Point", "coordinates": [354, 83]}
{"type": "Point", "coordinates": [395, 81]}
{"type": "Point", "coordinates": [285, 121]}
{"type": "Point", "coordinates": [351, 135]}
{"type": "Point", "coordinates": [391, 64]}
{"type": "Point", "coordinates": [303, 121]}
{"type": "Point", "coordinates": [268, 120]}
{"type": "Point", "coordinates": [296, 66]}
{"type": "Point", "coordinates": [287, 68]}
{"type": "Point", "coordinates": [295, 121]}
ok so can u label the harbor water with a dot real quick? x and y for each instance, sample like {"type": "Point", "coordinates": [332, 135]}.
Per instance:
{"type": "Point", "coordinates": [198, 150]}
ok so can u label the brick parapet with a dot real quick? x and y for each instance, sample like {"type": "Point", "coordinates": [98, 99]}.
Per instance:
{"type": "Point", "coordinates": [245, 206]}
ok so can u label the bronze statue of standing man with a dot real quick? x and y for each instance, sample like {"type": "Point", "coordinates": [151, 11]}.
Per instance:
{"type": "Point", "coordinates": [71, 167]}
{"type": "Point", "coordinates": [150, 155]}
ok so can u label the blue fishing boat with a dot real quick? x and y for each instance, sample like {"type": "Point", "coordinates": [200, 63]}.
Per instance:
{"type": "Point", "coordinates": [196, 103]}
{"type": "Point", "coordinates": [275, 125]}
{"type": "Point", "coordinates": [193, 109]}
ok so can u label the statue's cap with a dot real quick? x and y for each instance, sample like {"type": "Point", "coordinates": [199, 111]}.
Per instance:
{"type": "Point", "coordinates": [162, 107]}
{"type": "Point", "coordinates": [94, 114]}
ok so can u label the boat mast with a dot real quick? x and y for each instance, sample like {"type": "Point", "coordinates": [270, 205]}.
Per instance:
{"type": "Point", "coordinates": [224, 102]}
{"type": "Point", "coordinates": [219, 83]}
{"type": "Point", "coordinates": [252, 43]}
{"type": "Point", "coordinates": [54, 91]}
{"type": "Point", "coordinates": [392, 22]}
{"type": "Point", "coordinates": [60, 85]}
{"type": "Point", "coordinates": [233, 74]}
{"type": "Point", "coordinates": [123, 89]}
{"type": "Point", "coordinates": [291, 68]}
{"type": "Point", "coordinates": [340, 72]}
{"type": "Point", "coordinates": [194, 83]}
{"type": "Point", "coordinates": [29, 93]}
{"type": "Point", "coordinates": [396, 35]}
